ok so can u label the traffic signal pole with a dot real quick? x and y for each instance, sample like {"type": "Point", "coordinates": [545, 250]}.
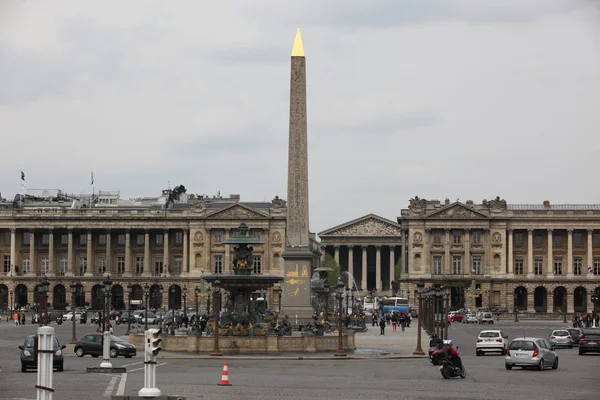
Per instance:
{"type": "Point", "coordinates": [151, 350]}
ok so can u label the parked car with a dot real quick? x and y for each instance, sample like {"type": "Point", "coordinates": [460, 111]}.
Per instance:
{"type": "Point", "coordinates": [92, 345]}
{"type": "Point", "coordinates": [69, 316]}
{"type": "Point", "coordinates": [576, 335]}
{"type": "Point", "coordinates": [589, 343]}
{"type": "Point", "coordinates": [530, 353]}
{"type": "Point", "coordinates": [455, 317]}
{"type": "Point", "coordinates": [491, 341]}
{"type": "Point", "coordinates": [29, 354]}
{"type": "Point", "coordinates": [150, 316]}
{"type": "Point", "coordinates": [486, 318]}
{"type": "Point", "coordinates": [561, 338]}
{"type": "Point", "coordinates": [470, 319]}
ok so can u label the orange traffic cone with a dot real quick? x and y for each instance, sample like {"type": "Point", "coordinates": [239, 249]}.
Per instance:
{"type": "Point", "coordinates": [225, 376]}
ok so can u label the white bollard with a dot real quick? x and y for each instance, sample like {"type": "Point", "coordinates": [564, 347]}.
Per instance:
{"type": "Point", "coordinates": [45, 363]}
{"type": "Point", "coordinates": [106, 350]}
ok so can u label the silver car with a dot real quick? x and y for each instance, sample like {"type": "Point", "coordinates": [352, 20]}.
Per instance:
{"type": "Point", "coordinates": [531, 353]}
{"type": "Point", "coordinates": [561, 338]}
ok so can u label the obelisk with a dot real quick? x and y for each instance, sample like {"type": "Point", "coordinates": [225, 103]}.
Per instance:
{"type": "Point", "coordinates": [297, 255]}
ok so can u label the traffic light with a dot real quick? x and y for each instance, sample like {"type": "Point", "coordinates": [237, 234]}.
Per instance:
{"type": "Point", "coordinates": [153, 342]}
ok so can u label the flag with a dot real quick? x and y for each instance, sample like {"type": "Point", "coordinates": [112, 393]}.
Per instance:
{"type": "Point", "coordinates": [92, 178]}
{"type": "Point", "coordinates": [23, 176]}
{"type": "Point", "coordinates": [589, 269]}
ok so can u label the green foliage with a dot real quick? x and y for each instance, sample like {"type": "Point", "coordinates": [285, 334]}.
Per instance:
{"type": "Point", "coordinates": [335, 274]}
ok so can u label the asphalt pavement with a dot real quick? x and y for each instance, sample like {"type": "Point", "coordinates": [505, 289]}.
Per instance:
{"type": "Point", "coordinates": [359, 378]}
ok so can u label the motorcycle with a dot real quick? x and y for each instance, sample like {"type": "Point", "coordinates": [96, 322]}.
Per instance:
{"type": "Point", "coordinates": [59, 321]}
{"type": "Point", "coordinates": [435, 353]}
{"type": "Point", "coordinates": [448, 370]}
{"type": "Point", "coordinates": [83, 319]}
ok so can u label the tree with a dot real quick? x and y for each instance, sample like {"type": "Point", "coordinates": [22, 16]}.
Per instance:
{"type": "Point", "coordinates": [333, 265]}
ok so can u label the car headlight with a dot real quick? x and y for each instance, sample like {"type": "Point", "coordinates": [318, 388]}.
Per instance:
{"type": "Point", "coordinates": [26, 353]}
{"type": "Point", "coordinates": [58, 353]}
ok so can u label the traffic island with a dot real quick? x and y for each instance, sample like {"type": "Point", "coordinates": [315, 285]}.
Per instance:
{"type": "Point", "coordinates": [101, 370]}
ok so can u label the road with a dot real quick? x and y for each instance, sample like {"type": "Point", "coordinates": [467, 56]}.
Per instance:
{"type": "Point", "coordinates": [265, 379]}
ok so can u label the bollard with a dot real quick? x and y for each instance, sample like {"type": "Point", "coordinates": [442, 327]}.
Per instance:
{"type": "Point", "coordinates": [106, 350]}
{"type": "Point", "coordinates": [45, 355]}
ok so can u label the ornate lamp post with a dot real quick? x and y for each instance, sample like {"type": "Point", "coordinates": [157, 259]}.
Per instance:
{"type": "Point", "coordinates": [515, 299]}
{"type": "Point", "coordinates": [106, 332]}
{"type": "Point", "coordinates": [217, 307]}
{"type": "Point", "coordinates": [196, 293]}
{"type": "Point", "coordinates": [173, 290]}
{"type": "Point", "coordinates": [44, 286]}
{"type": "Point", "coordinates": [419, 351]}
{"type": "Point", "coordinates": [10, 302]}
{"type": "Point", "coordinates": [326, 291]}
{"type": "Point", "coordinates": [73, 287]}
{"type": "Point", "coordinates": [129, 292]}
{"type": "Point", "coordinates": [184, 301]}
{"type": "Point", "coordinates": [347, 299]}
{"type": "Point", "coordinates": [208, 294]}
{"type": "Point", "coordinates": [147, 296]}
{"type": "Point", "coordinates": [446, 309]}
{"type": "Point", "coordinates": [340, 296]}
{"type": "Point", "coordinates": [279, 293]}
{"type": "Point", "coordinates": [564, 313]}
{"type": "Point", "coordinates": [353, 312]}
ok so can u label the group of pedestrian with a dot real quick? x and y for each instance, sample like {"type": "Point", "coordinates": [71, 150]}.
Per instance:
{"type": "Point", "coordinates": [19, 319]}
{"type": "Point", "coordinates": [586, 320]}
{"type": "Point", "coordinates": [393, 318]}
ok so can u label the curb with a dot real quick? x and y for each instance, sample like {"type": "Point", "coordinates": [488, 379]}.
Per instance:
{"type": "Point", "coordinates": [292, 358]}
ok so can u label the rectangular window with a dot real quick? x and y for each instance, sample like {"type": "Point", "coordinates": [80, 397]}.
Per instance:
{"type": "Point", "coordinates": [519, 239]}
{"type": "Point", "coordinates": [26, 265]}
{"type": "Point", "coordinates": [45, 239]}
{"type": "Point", "coordinates": [437, 237]}
{"type": "Point", "coordinates": [518, 265]}
{"type": "Point", "coordinates": [26, 237]}
{"type": "Point", "coordinates": [437, 265]}
{"type": "Point", "coordinates": [83, 239]}
{"type": "Point", "coordinates": [218, 236]}
{"type": "Point", "coordinates": [63, 264]}
{"type": "Point", "coordinates": [64, 239]}
{"type": "Point", "coordinates": [558, 265]}
{"type": "Point", "coordinates": [139, 265]}
{"type": "Point", "coordinates": [120, 265]}
{"type": "Point", "coordinates": [178, 238]}
{"type": "Point", "coordinates": [139, 240]}
{"type": "Point", "coordinates": [476, 237]}
{"type": "Point", "coordinates": [538, 238]}
{"type": "Point", "coordinates": [538, 266]}
{"type": "Point", "coordinates": [101, 265]}
{"type": "Point", "coordinates": [121, 239]}
{"type": "Point", "coordinates": [7, 238]}
{"type": "Point", "coordinates": [218, 264]}
{"type": "Point", "coordinates": [257, 235]}
{"type": "Point", "coordinates": [177, 265]}
{"type": "Point", "coordinates": [457, 265]}
{"type": "Point", "coordinates": [158, 265]}
{"type": "Point", "coordinates": [596, 239]}
{"type": "Point", "coordinates": [456, 237]}
{"type": "Point", "coordinates": [577, 265]}
{"type": "Point", "coordinates": [596, 266]}
{"type": "Point", "coordinates": [578, 239]}
{"type": "Point", "coordinates": [257, 264]}
{"type": "Point", "coordinates": [6, 264]}
{"type": "Point", "coordinates": [557, 240]}
{"type": "Point", "coordinates": [45, 265]}
{"type": "Point", "coordinates": [477, 265]}
{"type": "Point", "coordinates": [158, 239]}
{"type": "Point", "coordinates": [102, 239]}
{"type": "Point", "coordinates": [82, 265]}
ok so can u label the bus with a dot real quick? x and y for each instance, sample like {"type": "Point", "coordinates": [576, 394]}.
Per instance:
{"type": "Point", "coordinates": [399, 304]}
{"type": "Point", "coordinates": [369, 303]}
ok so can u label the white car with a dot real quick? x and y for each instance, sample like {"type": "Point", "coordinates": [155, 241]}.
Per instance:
{"type": "Point", "coordinates": [491, 341]}
{"type": "Point", "coordinates": [486, 318]}
{"type": "Point", "coordinates": [470, 319]}
{"type": "Point", "coordinates": [69, 316]}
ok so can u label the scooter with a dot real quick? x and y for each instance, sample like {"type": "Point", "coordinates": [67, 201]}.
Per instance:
{"type": "Point", "coordinates": [450, 371]}
{"type": "Point", "coordinates": [435, 353]}
{"type": "Point", "coordinates": [59, 321]}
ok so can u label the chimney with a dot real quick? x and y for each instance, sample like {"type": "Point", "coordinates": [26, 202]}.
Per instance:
{"type": "Point", "coordinates": [447, 201]}
{"type": "Point", "coordinates": [470, 202]}
{"type": "Point", "coordinates": [546, 203]}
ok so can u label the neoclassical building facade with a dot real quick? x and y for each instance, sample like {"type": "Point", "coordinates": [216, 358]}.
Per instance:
{"type": "Point", "coordinates": [138, 242]}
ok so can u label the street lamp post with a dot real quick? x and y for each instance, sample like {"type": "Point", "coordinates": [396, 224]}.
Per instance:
{"type": "Point", "coordinates": [326, 291]}
{"type": "Point", "coordinates": [515, 298]}
{"type": "Point", "coordinates": [217, 307]}
{"type": "Point", "coordinates": [208, 294]}
{"type": "Point", "coordinates": [347, 299]}
{"type": "Point", "coordinates": [10, 302]}
{"type": "Point", "coordinates": [43, 289]}
{"type": "Point", "coordinates": [353, 312]}
{"type": "Point", "coordinates": [279, 293]}
{"type": "Point", "coordinates": [564, 314]}
{"type": "Point", "coordinates": [196, 293]}
{"type": "Point", "coordinates": [173, 290]}
{"type": "Point", "coordinates": [446, 309]}
{"type": "Point", "coordinates": [73, 287]}
{"type": "Point", "coordinates": [184, 301]}
{"type": "Point", "coordinates": [340, 296]}
{"type": "Point", "coordinates": [105, 321]}
{"type": "Point", "coordinates": [419, 351]}
{"type": "Point", "coordinates": [147, 296]}
{"type": "Point", "coordinates": [129, 292]}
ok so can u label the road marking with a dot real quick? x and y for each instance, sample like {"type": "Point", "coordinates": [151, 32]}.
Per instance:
{"type": "Point", "coordinates": [129, 365]}
{"type": "Point", "coordinates": [122, 383]}
{"type": "Point", "coordinates": [139, 369]}
{"type": "Point", "coordinates": [111, 386]}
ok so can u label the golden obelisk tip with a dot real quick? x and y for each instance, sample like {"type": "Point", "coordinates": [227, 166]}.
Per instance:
{"type": "Point", "coordinates": [298, 49]}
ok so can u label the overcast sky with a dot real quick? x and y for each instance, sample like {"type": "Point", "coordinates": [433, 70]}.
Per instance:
{"type": "Point", "coordinates": [464, 99]}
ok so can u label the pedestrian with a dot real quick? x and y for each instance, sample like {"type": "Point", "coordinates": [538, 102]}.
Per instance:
{"type": "Point", "coordinates": [394, 322]}
{"type": "Point", "coordinates": [23, 319]}
{"type": "Point", "coordinates": [382, 326]}
{"type": "Point", "coordinates": [16, 319]}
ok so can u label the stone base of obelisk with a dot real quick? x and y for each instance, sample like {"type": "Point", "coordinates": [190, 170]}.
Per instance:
{"type": "Point", "coordinates": [297, 296]}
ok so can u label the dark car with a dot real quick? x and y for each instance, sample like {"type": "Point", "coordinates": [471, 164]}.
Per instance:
{"type": "Point", "coordinates": [92, 345]}
{"type": "Point", "coordinates": [589, 343]}
{"type": "Point", "coordinates": [576, 334]}
{"type": "Point", "coordinates": [29, 354]}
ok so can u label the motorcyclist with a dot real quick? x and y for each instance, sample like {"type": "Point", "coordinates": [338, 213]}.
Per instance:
{"type": "Point", "coordinates": [453, 355]}
{"type": "Point", "coordinates": [436, 342]}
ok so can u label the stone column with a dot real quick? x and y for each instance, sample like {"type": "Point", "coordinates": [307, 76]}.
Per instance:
{"type": "Point", "coordinates": [570, 303]}
{"type": "Point", "coordinates": [447, 261]}
{"type": "Point", "coordinates": [51, 264]}
{"type": "Point", "coordinates": [467, 244]}
{"type": "Point", "coordinates": [350, 262]}
{"type": "Point", "coordinates": [186, 265]}
{"type": "Point", "coordinates": [128, 268]}
{"type": "Point", "coordinates": [589, 252]}
{"type": "Point", "coordinates": [363, 278]}
{"type": "Point", "coordinates": [108, 256]}
{"type": "Point", "coordinates": [13, 251]}
{"type": "Point", "coordinates": [529, 253]}
{"type": "Point", "coordinates": [378, 268]}
{"type": "Point", "coordinates": [33, 266]}
{"type": "Point", "coordinates": [336, 256]}
{"type": "Point", "coordinates": [569, 253]}
{"type": "Point", "coordinates": [166, 260]}
{"type": "Point", "coordinates": [426, 251]}
{"type": "Point", "coordinates": [70, 254]}
{"type": "Point", "coordinates": [90, 255]}
{"type": "Point", "coordinates": [226, 260]}
{"type": "Point", "coordinates": [148, 270]}
{"type": "Point", "coordinates": [550, 260]}
{"type": "Point", "coordinates": [392, 265]}
{"type": "Point", "coordinates": [510, 256]}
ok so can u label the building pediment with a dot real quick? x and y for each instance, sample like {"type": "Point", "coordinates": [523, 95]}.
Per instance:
{"type": "Point", "coordinates": [237, 211]}
{"type": "Point", "coordinates": [457, 211]}
{"type": "Point", "coordinates": [369, 225]}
